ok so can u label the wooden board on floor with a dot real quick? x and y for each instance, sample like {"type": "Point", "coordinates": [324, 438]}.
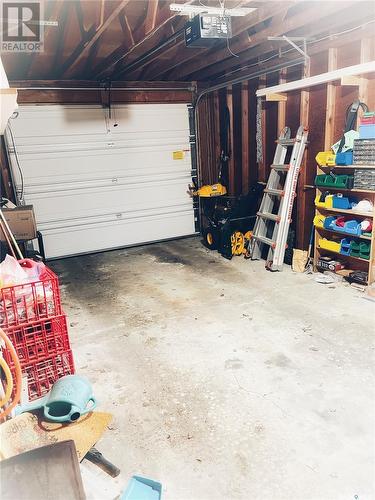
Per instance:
{"type": "Point", "coordinates": [28, 431]}
{"type": "Point", "coordinates": [47, 472]}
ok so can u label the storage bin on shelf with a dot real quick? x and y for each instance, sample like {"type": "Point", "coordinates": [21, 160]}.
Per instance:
{"type": "Point", "coordinates": [344, 159]}
{"type": "Point", "coordinates": [336, 181]}
{"type": "Point", "coordinates": [333, 246]}
{"type": "Point", "coordinates": [345, 246]}
{"type": "Point", "coordinates": [333, 201]}
{"type": "Point", "coordinates": [364, 250]}
{"type": "Point", "coordinates": [349, 226]}
{"type": "Point", "coordinates": [32, 301]}
{"type": "Point", "coordinates": [354, 248]}
{"type": "Point", "coordinates": [326, 159]}
{"type": "Point", "coordinates": [319, 221]}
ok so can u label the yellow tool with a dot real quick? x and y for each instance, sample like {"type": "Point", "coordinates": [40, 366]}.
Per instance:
{"type": "Point", "coordinates": [208, 191]}
{"type": "Point", "coordinates": [237, 240]}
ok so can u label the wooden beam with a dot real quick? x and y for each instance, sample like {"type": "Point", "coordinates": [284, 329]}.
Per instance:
{"type": "Point", "coordinates": [265, 50]}
{"type": "Point", "coordinates": [231, 163]}
{"type": "Point", "coordinates": [245, 133]}
{"type": "Point", "coordinates": [331, 101]}
{"type": "Point", "coordinates": [60, 41]}
{"type": "Point", "coordinates": [126, 30]}
{"type": "Point", "coordinates": [330, 76]}
{"type": "Point", "coordinates": [152, 10]}
{"type": "Point", "coordinates": [259, 45]}
{"type": "Point", "coordinates": [366, 49]}
{"type": "Point", "coordinates": [305, 208]}
{"type": "Point", "coordinates": [276, 97]}
{"type": "Point", "coordinates": [351, 81]}
{"type": "Point", "coordinates": [262, 167]}
{"type": "Point", "coordinates": [52, 13]}
{"type": "Point", "coordinates": [122, 52]}
{"type": "Point", "coordinates": [281, 107]}
{"type": "Point", "coordinates": [95, 36]}
{"type": "Point", "coordinates": [87, 84]}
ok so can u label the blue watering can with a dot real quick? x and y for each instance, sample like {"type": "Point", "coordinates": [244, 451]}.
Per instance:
{"type": "Point", "coordinates": [69, 399]}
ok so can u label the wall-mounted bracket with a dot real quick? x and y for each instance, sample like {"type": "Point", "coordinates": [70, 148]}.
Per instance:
{"type": "Point", "coordinates": [291, 40]}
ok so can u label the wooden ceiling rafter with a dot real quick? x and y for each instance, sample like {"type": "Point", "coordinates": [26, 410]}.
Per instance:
{"type": "Point", "coordinates": [151, 15]}
{"type": "Point", "coordinates": [97, 33]}
{"type": "Point", "coordinates": [292, 27]}
{"type": "Point", "coordinates": [52, 13]}
{"type": "Point", "coordinates": [63, 19]}
{"type": "Point", "coordinates": [80, 18]}
{"type": "Point", "coordinates": [121, 53]}
{"type": "Point", "coordinates": [126, 29]}
{"type": "Point", "coordinates": [176, 29]}
{"type": "Point", "coordinates": [223, 61]}
{"type": "Point", "coordinates": [318, 48]}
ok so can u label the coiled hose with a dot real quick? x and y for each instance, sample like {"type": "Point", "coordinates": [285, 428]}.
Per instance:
{"type": "Point", "coordinates": [18, 381]}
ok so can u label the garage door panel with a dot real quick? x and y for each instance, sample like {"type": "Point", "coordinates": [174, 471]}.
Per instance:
{"type": "Point", "coordinates": [108, 235]}
{"type": "Point", "coordinates": [116, 165]}
{"type": "Point", "coordinates": [40, 123]}
{"type": "Point", "coordinates": [94, 183]}
{"type": "Point", "coordinates": [67, 204]}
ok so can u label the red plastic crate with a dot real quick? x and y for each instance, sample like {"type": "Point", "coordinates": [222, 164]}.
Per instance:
{"type": "Point", "coordinates": [38, 340]}
{"type": "Point", "coordinates": [35, 301]}
{"type": "Point", "coordinates": [42, 375]}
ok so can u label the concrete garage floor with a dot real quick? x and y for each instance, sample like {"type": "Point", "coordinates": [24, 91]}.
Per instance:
{"type": "Point", "coordinates": [225, 381]}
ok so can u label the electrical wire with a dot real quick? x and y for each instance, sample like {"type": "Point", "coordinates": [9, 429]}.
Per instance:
{"type": "Point", "coordinates": [222, 4]}
{"type": "Point", "coordinates": [16, 157]}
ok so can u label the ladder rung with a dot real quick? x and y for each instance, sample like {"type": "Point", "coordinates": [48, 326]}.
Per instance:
{"type": "Point", "coordinates": [274, 192]}
{"type": "Point", "coordinates": [267, 215]}
{"type": "Point", "coordinates": [286, 142]}
{"type": "Point", "coordinates": [282, 168]}
{"type": "Point", "coordinates": [265, 240]}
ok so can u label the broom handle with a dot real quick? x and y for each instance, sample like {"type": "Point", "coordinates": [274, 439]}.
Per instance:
{"type": "Point", "coordinates": [7, 239]}
{"type": "Point", "coordinates": [11, 235]}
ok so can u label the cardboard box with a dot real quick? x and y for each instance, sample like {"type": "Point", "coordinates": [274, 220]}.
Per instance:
{"type": "Point", "coordinates": [21, 221]}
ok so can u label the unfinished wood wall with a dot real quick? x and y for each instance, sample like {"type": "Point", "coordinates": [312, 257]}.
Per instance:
{"type": "Point", "coordinates": [321, 109]}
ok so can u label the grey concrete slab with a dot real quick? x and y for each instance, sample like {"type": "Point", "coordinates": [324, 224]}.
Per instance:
{"type": "Point", "coordinates": [226, 381]}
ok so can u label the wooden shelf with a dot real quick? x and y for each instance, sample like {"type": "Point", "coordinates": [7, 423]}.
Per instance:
{"type": "Point", "coordinates": [342, 255]}
{"type": "Point", "coordinates": [343, 235]}
{"type": "Point", "coordinates": [353, 190]}
{"type": "Point", "coordinates": [343, 211]}
{"type": "Point", "coordinates": [345, 167]}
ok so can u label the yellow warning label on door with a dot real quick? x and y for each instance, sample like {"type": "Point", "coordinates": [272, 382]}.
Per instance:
{"type": "Point", "coordinates": [178, 155]}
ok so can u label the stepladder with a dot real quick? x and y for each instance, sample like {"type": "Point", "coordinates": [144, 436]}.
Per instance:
{"type": "Point", "coordinates": [275, 212]}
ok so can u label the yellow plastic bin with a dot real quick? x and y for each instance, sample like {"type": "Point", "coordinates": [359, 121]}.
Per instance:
{"type": "Point", "coordinates": [326, 159]}
{"type": "Point", "coordinates": [333, 246]}
{"type": "Point", "coordinates": [327, 203]}
{"type": "Point", "coordinates": [319, 220]}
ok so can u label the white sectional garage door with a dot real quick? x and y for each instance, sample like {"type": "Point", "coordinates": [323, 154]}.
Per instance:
{"type": "Point", "coordinates": [96, 186]}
